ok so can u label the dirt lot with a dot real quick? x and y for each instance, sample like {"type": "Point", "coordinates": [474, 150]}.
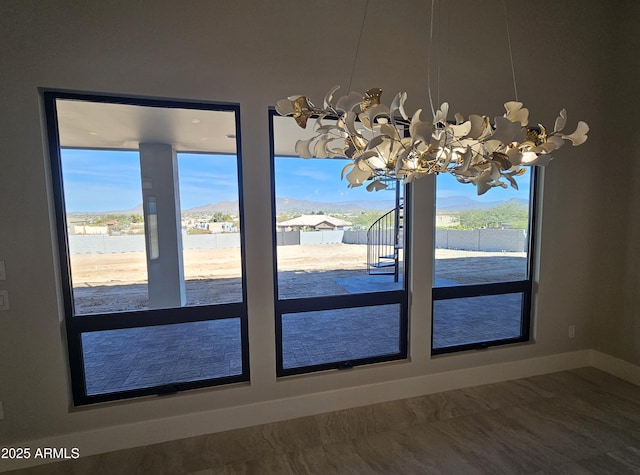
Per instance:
{"type": "Point", "coordinates": [89, 270]}
{"type": "Point", "coordinates": [130, 267]}
{"type": "Point", "coordinates": [112, 282]}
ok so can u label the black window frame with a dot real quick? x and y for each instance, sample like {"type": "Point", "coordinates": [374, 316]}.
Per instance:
{"type": "Point", "coordinates": [523, 287]}
{"type": "Point", "coordinates": [77, 325]}
{"type": "Point", "coordinates": [338, 302]}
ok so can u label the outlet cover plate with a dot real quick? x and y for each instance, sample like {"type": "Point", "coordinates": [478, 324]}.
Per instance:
{"type": "Point", "coordinates": [4, 300]}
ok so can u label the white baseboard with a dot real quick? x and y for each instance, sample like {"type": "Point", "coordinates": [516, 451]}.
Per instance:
{"type": "Point", "coordinates": [615, 366]}
{"type": "Point", "coordinates": [120, 437]}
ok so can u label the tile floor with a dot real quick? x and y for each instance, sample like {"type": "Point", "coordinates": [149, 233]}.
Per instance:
{"type": "Point", "coordinates": [580, 422]}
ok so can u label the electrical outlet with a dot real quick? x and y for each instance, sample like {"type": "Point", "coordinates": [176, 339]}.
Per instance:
{"type": "Point", "coordinates": [4, 300]}
{"type": "Point", "coordinates": [572, 331]}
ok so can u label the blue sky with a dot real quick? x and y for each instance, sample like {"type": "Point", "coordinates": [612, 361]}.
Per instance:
{"type": "Point", "coordinates": [107, 180]}
{"type": "Point", "coordinates": [448, 186]}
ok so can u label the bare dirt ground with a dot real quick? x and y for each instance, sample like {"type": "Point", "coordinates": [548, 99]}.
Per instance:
{"type": "Point", "coordinates": [131, 267]}
{"type": "Point", "coordinates": [89, 270]}
{"type": "Point", "coordinates": [117, 282]}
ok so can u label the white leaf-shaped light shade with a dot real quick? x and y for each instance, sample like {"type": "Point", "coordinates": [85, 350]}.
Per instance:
{"type": "Point", "coordinates": [507, 131]}
{"type": "Point", "coordinates": [376, 185]}
{"type": "Point", "coordinates": [466, 160]}
{"type": "Point", "coordinates": [325, 129]}
{"type": "Point", "coordinates": [580, 135]}
{"type": "Point", "coordinates": [441, 114]}
{"type": "Point", "coordinates": [363, 159]}
{"type": "Point", "coordinates": [348, 102]}
{"type": "Point", "coordinates": [390, 131]}
{"type": "Point", "coordinates": [357, 176]}
{"type": "Point", "coordinates": [420, 130]}
{"type": "Point", "coordinates": [546, 147]}
{"type": "Point", "coordinates": [377, 162]}
{"type": "Point", "coordinates": [375, 112]}
{"type": "Point", "coordinates": [284, 107]}
{"type": "Point", "coordinates": [346, 169]}
{"type": "Point", "coordinates": [375, 142]}
{"type": "Point", "coordinates": [494, 172]}
{"type": "Point", "coordinates": [558, 141]}
{"type": "Point", "coordinates": [515, 156]}
{"type": "Point", "coordinates": [398, 105]}
{"type": "Point", "coordinates": [538, 160]}
{"type": "Point", "coordinates": [561, 121]}
{"type": "Point", "coordinates": [365, 121]}
{"type": "Point", "coordinates": [335, 152]}
{"type": "Point", "coordinates": [320, 150]}
{"type": "Point", "coordinates": [302, 148]}
{"type": "Point", "coordinates": [479, 126]}
{"type": "Point", "coordinates": [460, 130]}
{"type": "Point", "coordinates": [328, 98]}
{"type": "Point", "coordinates": [512, 181]}
{"type": "Point", "coordinates": [516, 113]}
{"type": "Point", "coordinates": [388, 150]}
{"type": "Point", "coordinates": [528, 158]}
{"type": "Point", "coordinates": [483, 182]}
{"type": "Point", "coordinates": [491, 146]}
{"type": "Point", "coordinates": [349, 121]}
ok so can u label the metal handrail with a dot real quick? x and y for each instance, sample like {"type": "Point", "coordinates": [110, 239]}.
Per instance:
{"type": "Point", "coordinates": [384, 240]}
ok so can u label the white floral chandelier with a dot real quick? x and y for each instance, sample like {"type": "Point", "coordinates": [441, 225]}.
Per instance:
{"type": "Point", "coordinates": [373, 136]}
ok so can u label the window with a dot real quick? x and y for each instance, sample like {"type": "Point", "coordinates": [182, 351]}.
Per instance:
{"type": "Point", "coordinates": [482, 268]}
{"type": "Point", "coordinates": [149, 223]}
{"type": "Point", "coordinates": [340, 259]}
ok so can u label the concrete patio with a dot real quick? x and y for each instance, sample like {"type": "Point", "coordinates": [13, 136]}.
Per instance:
{"type": "Point", "coordinates": [127, 359]}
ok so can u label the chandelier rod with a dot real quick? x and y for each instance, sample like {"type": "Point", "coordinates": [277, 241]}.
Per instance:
{"type": "Point", "coordinates": [433, 111]}
{"type": "Point", "coordinates": [513, 69]}
{"type": "Point", "coordinates": [355, 58]}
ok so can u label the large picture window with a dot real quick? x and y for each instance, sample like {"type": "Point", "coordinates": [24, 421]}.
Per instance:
{"type": "Point", "coordinates": [482, 268]}
{"type": "Point", "coordinates": [340, 258]}
{"type": "Point", "coordinates": [149, 220]}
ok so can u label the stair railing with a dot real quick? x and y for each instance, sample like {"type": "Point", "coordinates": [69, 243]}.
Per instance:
{"type": "Point", "coordinates": [380, 245]}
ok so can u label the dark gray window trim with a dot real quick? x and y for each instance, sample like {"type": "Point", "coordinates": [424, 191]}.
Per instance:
{"type": "Point", "coordinates": [76, 326]}
{"type": "Point", "coordinates": [311, 304]}
{"type": "Point", "coordinates": [525, 287]}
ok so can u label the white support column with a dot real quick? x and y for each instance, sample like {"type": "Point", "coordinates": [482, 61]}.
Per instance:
{"type": "Point", "coordinates": [161, 204]}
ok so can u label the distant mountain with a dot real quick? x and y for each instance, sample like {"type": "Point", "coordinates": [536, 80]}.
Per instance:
{"type": "Point", "coordinates": [464, 203]}
{"type": "Point", "coordinates": [230, 207]}
{"type": "Point", "coordinates": [293, 205]}
{"type": "Point", "coordinates": [135, 210]}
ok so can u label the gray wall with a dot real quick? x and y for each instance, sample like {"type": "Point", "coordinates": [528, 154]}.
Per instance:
{"type": "Point", "coordinates": [105, 244]}
{"type": "Point", "coordinates": [355, 237]}
{"type": "Point", "coordinates": [510, 240]}
{"type": "Point", "coordinates": [321, 237]}
{"type": "Point", "coordinates": [210, 241]}
{"type": "Point", "coordinates": [165, 50]}
{"type": "Point", "coordinates": [498, 240]}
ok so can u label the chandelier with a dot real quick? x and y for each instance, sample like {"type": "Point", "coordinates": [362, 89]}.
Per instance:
{"type": "Point", "coordinates": [383, 143]}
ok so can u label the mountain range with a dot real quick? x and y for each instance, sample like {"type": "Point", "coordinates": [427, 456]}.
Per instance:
{"type": "Point", "coordinates": [293, 205]}
{"type": "Point", "coordinates": [464, 203]}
